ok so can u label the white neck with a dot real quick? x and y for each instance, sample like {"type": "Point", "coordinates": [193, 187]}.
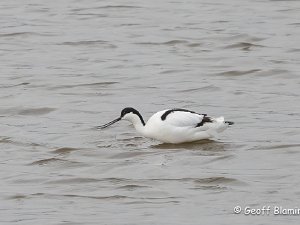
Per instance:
{"type": "Point", "coordinates": [136, 121]}
{"type": "Point", "coordinates": [140, 128]}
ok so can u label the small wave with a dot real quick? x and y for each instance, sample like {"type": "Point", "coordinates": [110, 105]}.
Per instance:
{"type": "Point", "coordinates": [172, 71]}
{"type": "Point", "coordinates": [115, 180]}
{"type": "Point", "coordinates": [283, 0]}
{"type": "Point", "coordinates": [294, 50]}
{"type": "Point", "coordinates": [294, 24]}
{"type": "Point", "coordinates": [119, 7]}
{"type": "Point", "coordinates": [193, 45]}
{"type": "Point", "coordinates": [217, 183]}
{"type": "Point", "coordinates": [48, 161]}
{"type": "Point", "coordinates": [132, 187]}
{"type": "Point", "coordinates": [130, 154]}
{"type": "Point", "coordinates": [15, 85]}
{"type": "Point", "coordinates": [246, 46]}
{"type": "Point", "coordinates": [206, 88]}
{"type": "Point", "coordinates": [78, 12]}
{"type": "Point", "coordinates": [169, 43]}
{"type": "Point", "coordinates": [5, 140]}
{"type": "Point", "coordinates": [107, 7]}
{"type": "Point", "coordinates": [238, 72]}
{"type": "Point", "coordinates": [64, 150]}
{"type": "Point", "coordinates": [143, 202]}
{"type": "Point", "coordinates": [224, 157]}
{"type": "Point", "coordinates": [22, 34]}
{"type": "Point", "coordinates": [8, 140]}
{"type": "Point", "coordinates": [273, 72]}
{"type": "Point", "coordinates": [74, 181]}
{"type": "Point", "coordinates": [110, 197]}
{"type": "Point", "coordinates": [89, 43]}
{"type": "Point", "coordinates": [17, 197]}
{"type": "Point", "coordinates": [199, 146]}
{"type": "Point", "coordinates": [96, 84]}
{"type": "Point", "coordinates": [243, 38]}
{"type": "Point", "coordinates": [129, 24]}
{"type": "Point", "coordinates": [36, 111]}
{"type": "Point", "coordinates": [216, 180]}
{"type": "Point", "coordinates": [281, 146]}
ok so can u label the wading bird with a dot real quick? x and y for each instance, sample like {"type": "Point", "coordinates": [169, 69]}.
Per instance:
{"type": "Point", "coordinates": [173, 125]}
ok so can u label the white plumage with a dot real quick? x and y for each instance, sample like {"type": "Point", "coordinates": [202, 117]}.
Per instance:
{"type": "Point", "coordinates": [174, 125]}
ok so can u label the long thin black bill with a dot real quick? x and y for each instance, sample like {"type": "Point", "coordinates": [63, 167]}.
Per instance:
{"type": "Point", "coordinates": [108, 124]}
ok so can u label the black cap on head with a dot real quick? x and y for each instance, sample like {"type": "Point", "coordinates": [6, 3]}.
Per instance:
{"type": "Point", "coordinates": [134, 111]}
{"type": "Point", "coordinates": [129, 110]}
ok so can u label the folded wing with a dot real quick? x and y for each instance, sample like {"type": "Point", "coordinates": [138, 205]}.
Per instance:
{"type": "Point", "coordinates": [184, 118]}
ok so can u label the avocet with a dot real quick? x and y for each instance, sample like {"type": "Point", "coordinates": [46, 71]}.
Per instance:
{"type": "Point", "coordinates": [174, 125]}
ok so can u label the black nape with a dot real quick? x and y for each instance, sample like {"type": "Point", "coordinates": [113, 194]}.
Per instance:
{"type": "Point", "coordinates": [134, 111]}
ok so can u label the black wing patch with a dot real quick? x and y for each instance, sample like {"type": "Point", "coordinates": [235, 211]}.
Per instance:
{"type": "Point", "coordinates": [205, 119]}
{"type": "Point", "coordinates": [166, 113]}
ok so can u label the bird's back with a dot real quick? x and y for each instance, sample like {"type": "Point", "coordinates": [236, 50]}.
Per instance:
{"type": "Point", "coordinates": [182, 126]}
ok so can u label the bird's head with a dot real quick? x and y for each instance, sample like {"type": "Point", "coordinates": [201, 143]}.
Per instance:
{"type": "Point", "coordinates": [129, 114]}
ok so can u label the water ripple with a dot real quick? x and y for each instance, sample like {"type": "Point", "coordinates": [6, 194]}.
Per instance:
{"type": "Point", "coordinates": [239, 72]}
{"type": "Point", "coordinates": [36, 111]}
{"type": "Point", "coordinates": [89, 43]}
{"type": "Point", "coordinates": [55, 161]}
{"type": "Point", "coordinates": [245, 46]}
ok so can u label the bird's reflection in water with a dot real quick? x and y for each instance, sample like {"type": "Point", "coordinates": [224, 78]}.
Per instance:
{"type": "Point", "coordinates": [203, 145]}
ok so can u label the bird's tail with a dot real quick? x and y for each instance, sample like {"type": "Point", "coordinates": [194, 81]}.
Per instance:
{"type": "Point", "coordinates": [218, 125]}
{"type": "Point", "coordinates": [221, 124]}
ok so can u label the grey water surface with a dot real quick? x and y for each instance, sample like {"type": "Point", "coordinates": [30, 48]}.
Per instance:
{"type": "Point", "coordinates": [68, 66]}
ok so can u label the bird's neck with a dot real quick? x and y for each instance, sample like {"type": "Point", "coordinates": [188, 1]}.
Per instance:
{"type": "Point", "coordinates": [140, 128]}
{"type": "Point", "coordinates": [139, 124]}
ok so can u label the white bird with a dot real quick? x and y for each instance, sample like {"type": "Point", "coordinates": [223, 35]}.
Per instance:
{"type": "Point", "coordinates": [174, 125]}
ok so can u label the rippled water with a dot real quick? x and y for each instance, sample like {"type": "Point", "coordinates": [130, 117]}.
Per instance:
{"type": "Point", "coordinates": [67, 66]}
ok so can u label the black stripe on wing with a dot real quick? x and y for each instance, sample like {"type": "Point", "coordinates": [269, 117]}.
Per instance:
{"type": "Point", "coordinates": [166, 113]}
{"type": "Point", "coordinates": [205, 119]}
